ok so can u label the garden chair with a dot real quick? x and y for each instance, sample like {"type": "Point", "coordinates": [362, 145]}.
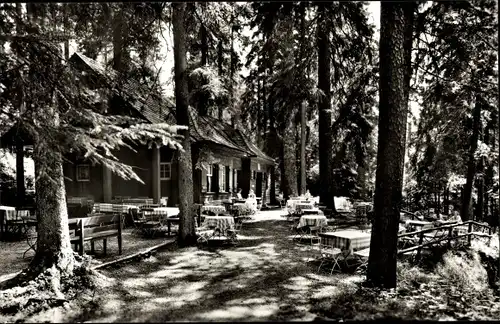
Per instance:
{"type": "Point", "coordinates": [154, 221]}
{"type": "Point", "coordinates": [362, 256]}
{"type": "Point", "coordinates": [328, 253]}
{"type": "Point", "coordinates": [313, 232]}
{"type": "Point", "coordinates": [138, 220]}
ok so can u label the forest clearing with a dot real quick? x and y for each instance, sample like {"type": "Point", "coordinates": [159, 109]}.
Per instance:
{"type": "Point", "coordinates": [260, 161]}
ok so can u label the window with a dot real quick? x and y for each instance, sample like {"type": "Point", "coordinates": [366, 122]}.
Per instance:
{"type": "Point", "coordinates": [222, 178]}
{"type": "Point", "coordinates": [83, 172]}
{"type": "Point", "coordinates": [165, 170]}
{"type": "Point", "coordinates": [207, 173]}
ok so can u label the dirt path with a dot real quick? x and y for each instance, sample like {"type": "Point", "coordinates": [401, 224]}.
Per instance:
{"type": "Point", "coordinates": [265, 277]}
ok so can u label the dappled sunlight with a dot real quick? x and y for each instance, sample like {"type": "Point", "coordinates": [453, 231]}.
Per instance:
{"type": "Point", "coordinates": [298, 283]}
{"type": "Point", "coordinates": [135, 282]}
{"type": "Point", "coordinates": [186, 288]}
{"type": "Point", "coordinates": [255, 300]}
{"type": "Point", "coordinates": [240, 312]}
{"type": "Point", "coordinates": [262, 277]}
{"type": "Point", "coordinates": [140, 293]}
{"type": "Point", "coordinates": [325, 292]}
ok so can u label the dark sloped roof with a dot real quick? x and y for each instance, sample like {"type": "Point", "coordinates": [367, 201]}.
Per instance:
{"type": "Point", "coordinates": [152, 107]}
{"type": "Point", "coordinates": [235, 136]}
{"type": "Point", "coordinates": [157, 109]}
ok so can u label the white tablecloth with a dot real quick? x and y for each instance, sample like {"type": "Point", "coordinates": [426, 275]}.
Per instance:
{"type": "Point", "coordinates": [216, 209]}
{"type": "Point", "coordinates": [170, 211]}
{"type": "Point", "coordinates": [112, 208]}
{"type": "Point", "coordinates": [312, 220]}
{"type": "Point", "coordinates": [292, 204]}
{"type": "Point", "coordinates": [346, 240]}
{"type": "Point", "coordinates": [222, 222]}
{"type": "Point", "coordinates": [9, 212]}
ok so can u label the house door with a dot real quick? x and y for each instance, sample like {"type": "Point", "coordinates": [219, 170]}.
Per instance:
{"type": "Point", "coordinates": [258, 184]}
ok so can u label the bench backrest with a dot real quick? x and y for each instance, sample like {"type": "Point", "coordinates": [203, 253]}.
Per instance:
{"type": "Point", "coordinates": [95, 224]}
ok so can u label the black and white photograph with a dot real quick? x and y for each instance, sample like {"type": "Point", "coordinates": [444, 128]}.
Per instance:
{"type": "Point", "coordinates": [249, 161]}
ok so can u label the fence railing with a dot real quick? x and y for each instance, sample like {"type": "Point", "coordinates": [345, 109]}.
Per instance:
{"type": "Point", "coordinates": [449, 236]}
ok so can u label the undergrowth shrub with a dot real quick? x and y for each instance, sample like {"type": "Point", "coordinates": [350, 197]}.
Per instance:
{"type": "Point", "coordinates": [464, 271]}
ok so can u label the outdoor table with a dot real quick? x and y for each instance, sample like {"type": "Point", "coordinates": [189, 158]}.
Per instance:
{"type": "Point", "coordinates": [221, 222]}
{"type": "Point", "coordinates": [312, 220]}
{"type": "Point", "coordinates": [213, 208]}
{"type": "Point", "coordinates": [303, 206]}
{"type": "Point", "coordinates": [291, 204]}
{"type": "Point", "coordinates": [348, 240]}
{"type": "Point", "coordinates": [238, 207]}
{"type": "Point", "coordinates": [312, 211]}
{"type": "Point", "coordinates": [168, 214]}
{"type": "Point", "coordinates": [113, 208]}
{"type": "Point", "coordinates": [6, 213]}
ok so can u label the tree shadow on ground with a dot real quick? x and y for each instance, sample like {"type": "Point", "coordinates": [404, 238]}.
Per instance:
{"type": "Point", "coordinates": [266, 276]}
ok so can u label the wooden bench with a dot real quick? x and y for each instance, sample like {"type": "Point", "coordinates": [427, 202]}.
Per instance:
{"type": "Point", "coordinates": [96, 227]}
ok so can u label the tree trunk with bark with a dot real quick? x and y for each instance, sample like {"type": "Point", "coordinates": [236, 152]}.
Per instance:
{"type": "Point", "coordinates": [395, 73]}
{"type": "Point", "coordinates": [203, 103]}
{"type": "Point", "coordinates": [471, 164]}
{"type": "Point", "coordinates": [303, 126]}
{"type": "Point", "coordinates": [187, 234]}
{"type": "Point", "coordinates": [325, 113]}
{"type": "Point", "coordinates": [220, 61]}
{"type": "Point", "coordinates": [119, 49]}
{"type": "Point", "coordinates": [53, 243]}
{"type": "Point", "coordinates": [289, 157]}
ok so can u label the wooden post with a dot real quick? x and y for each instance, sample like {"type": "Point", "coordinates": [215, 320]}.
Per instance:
{"type": "Point", "coordinates": [120, 229]}
{"type": "Point", "coordinates": [21, 190]}
{"type": "Point", "coordinates": [246, 176]}
{"type": "Point", "coordinates": [420, 241]}
{"type": "Point", "coordinates": [450, 231]}
{"type": "Point", "coordinates": [156, 183]}
{"type": "Point", "coordinates": [469, 236]}
{"type": "Point", "coordinates": [107, 184]}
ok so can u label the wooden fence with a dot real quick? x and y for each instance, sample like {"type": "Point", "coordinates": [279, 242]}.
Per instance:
{"type": "Point", "coordinates": [449, 237]}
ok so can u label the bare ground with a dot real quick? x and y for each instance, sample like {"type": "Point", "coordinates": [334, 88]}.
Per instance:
{"type": "Point", "coordinates": [13, 260]}
{"type": "Point", "coordinates": [266, 276]}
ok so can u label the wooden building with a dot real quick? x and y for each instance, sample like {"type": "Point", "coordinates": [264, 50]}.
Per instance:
{"type": "Point", "coordinates": [223, 158]}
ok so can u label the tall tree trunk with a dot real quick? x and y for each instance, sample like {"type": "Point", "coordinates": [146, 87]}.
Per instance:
{"type": "Point", "coordinates": [66, 31]}
{"type": "Point", "coordinates": [289, 157]}
{"type": "Point", "coordinates": [325, 110]}
{"type": "Point", "coordinates": [303, 148]}
{"type": "Point", "coordinates": [187, 234]}
{"type": "Point", "coordinates": [20, 187]}
{"type": "Point", "coordinates": [220, 61]}
{"type": "Point", "coordinates": [471, 164]}
{"type": "Point", "coordinates": [498, 168]}
{"type": "Point", "coordinates": [118, 40]}
{"type": "Point", "coordinates": [303, 124]}
{"type": "Point", "coordinates": [203, 103]}
{"type": "Point", "coordinates": [53, 243]}
{"type": "Point", "coordinates": [396, 29]}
